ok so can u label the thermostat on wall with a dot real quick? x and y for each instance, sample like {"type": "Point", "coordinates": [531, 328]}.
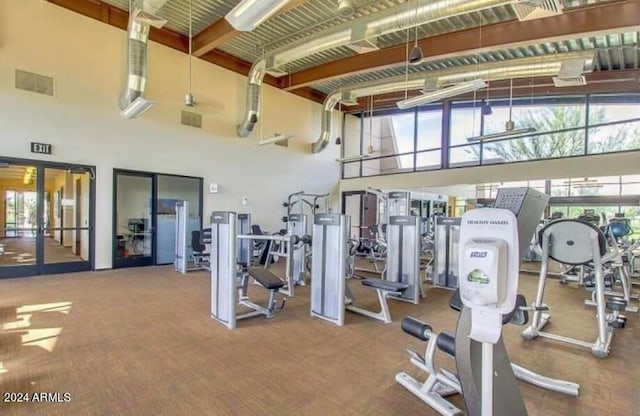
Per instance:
{"type": "Point", "coordinates": [213, 188]}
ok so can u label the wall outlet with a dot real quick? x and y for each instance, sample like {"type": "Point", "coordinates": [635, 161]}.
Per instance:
{"type": "Point", "coordinates": [245, 202]}
{"type": "Point", "coordinates": [213, 188]}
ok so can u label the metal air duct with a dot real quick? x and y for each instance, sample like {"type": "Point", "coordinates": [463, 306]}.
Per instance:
{"type": "Point", "coordinates": [254, 90]}
{"type": "Point", "coordinates": [365, 29]}
{"type": "Point", "coordinates": [140, 21]}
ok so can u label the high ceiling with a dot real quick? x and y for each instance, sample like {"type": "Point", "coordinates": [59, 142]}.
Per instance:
{"type": "Point", "coordinates": [214, 39]}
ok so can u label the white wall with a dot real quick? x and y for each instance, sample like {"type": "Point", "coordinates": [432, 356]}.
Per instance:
{"type": "Point", "coordinates": [82, 121]}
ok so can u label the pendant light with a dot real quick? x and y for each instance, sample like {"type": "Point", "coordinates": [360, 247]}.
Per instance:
{"type": "Point", "coordinates": [416, 56]}
{"type": "Point", "coordinates": [486, 107]}
{"type": "Point", "coordinates": [189, 101]}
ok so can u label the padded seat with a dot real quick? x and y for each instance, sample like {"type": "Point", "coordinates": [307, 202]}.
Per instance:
{"type": "Point", "coordinates": [447, 342]}
{"type": "Point", "coordinates": [386, 285]}
{"type": "Point", "coordinates": [267, 279]}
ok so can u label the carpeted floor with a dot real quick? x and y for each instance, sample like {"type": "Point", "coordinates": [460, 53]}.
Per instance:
{"type": "Point", "coordinates": [141, 342]}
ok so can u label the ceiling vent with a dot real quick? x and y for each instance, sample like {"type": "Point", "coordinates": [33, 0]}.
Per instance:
{"type": "Point", "coordinates": [29, 81]}
{"type": "Point", "coordinates": [536, 9]}
{"type": "Point", "coordinates": [569, 82]}
{"type": "Point", "coordinates": [363, 46]}
{"type": "Point", "coordinates": [141, 16]}
{"type": "Point", "coordinates": [570, 74]}
{"type": "Point", "coordinates": [348, 99]}
{"type": "Point", "coordinates": [187, 118]}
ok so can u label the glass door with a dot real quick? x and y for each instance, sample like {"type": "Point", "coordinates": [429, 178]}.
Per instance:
{"type": "Point", "coordinates": [18, 226]}
{"type": "Point", "coordinates": [66, 231]}
{"type": "Point", "coordinates": [46, 218]}
{"type": "Point", "coordinates": [133, 219]}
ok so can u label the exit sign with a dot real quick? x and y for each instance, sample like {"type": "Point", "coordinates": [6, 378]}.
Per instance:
{"type": "Point", "coordinates": [42, 148]}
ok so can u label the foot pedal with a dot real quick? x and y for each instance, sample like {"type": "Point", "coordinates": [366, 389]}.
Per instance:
{"type": "Point", "coordinates": [616, 304]}
{"type": "Point", "coordinates": [618, 323]}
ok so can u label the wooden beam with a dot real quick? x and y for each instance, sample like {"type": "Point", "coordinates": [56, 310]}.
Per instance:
{"type": "Point", "coordinates": [571, 24]}
{"type": "Point", "coordinates": [111, 15]}
{"type": "Point", "coordinates": [221, 31]}
{"type": "Point", "coordinates": [621, 81]}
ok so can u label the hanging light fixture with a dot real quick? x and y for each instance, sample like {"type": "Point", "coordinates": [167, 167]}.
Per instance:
{"type": "Point", "coordinates": [249, 14]}
{"type": "Point", "coordinates": [510, 131]}
{"type": "Point", "coordinates": [486, 107]}
{"type": "Point", "coordinates": [416, 56]}
{"type": "Point", "coordinates": [189, 101]}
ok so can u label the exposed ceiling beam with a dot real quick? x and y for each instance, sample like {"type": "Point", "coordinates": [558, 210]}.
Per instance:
{"type": "Point", "coordinates": [106, 13]}
{"type": "Point", "coordinates": [605, 81]}
{"type": "Point", "coordinates": [580, 22]}
{"type": "Point", "coordinates": [221, 31]}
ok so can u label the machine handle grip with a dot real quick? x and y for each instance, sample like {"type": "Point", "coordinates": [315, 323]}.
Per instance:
{"type": "Point", "coordinates": [416, 328]}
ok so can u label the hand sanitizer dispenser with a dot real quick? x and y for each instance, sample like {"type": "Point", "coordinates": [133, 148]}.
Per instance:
{"type": "Point", "coordinates": [483, 268]}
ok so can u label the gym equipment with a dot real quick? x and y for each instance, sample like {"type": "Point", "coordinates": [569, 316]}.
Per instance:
{"type": "Point", "coordinates": [297, 225]}
{"type": "Point", "coordinates": [617, 269]}
{"type": "Point", "coordinates": [576, 242]}
{"type": "Point", "coordinates": [441, 382]}
{"type": "Point", "coordinates": [403, 256]}
{"type": "Point", "coordinates": [192, 256]}
{"type": "Point", "coordinates": [180, 261]}
{"type": "Point", "coordinates": [489, 263]}
{"type": "Point", "coordinates": [398, 203]}
{"type": "Point", "coordinates": [230, 280]}
{"type": "Point", "coordinates": [447, 234]}
{"type": "Point", "coordinates": [330, 295]}
{"type": "Point", "coordinates": [489, 258]}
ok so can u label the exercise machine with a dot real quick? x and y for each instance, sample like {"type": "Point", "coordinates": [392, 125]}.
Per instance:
{"type": "Point", "coordinates": [330, 294]}
{"type": "Point", "coordinates": [576, 242]}
{"type": "Point", "coordinates": [403, 256]}
{"type": "Point", "coordinates": [489, 266]}
{"type": "Point", "coordinates": [489, 259]}
{"type": "Point", "coordinates": [447, 234]}
{"type": "Point", "coordinates": [299, 256]}
{"type": "Point", "coordinates": [190, 244]}
{"type": "Point", "coordinates": [230, 275]}
{"type": "Point", "coordinates": [441, 382]}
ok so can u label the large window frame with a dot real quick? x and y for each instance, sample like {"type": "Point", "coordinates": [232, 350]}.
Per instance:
{"type": "Point", "coordinates": [447, 149]}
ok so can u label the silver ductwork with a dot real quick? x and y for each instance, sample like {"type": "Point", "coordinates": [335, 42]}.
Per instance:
{"type": "Point", "coordinates": [142, 17]}
{"type": "Point", "coordinates": [254, 90]}
{"type": "Point", "coordinates": [137, 42]}
{"type": "Point", "coordinates": [327, 122]}
{"type": "Point", "coordinates": [365, 29]}
{"type": "Point", "coordinates": [495, 71]}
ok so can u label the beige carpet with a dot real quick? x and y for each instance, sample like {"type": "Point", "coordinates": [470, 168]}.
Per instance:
{"type": "Point", "coordinates": [141, 342]}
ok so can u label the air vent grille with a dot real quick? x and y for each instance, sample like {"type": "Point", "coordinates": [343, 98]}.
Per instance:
{"type": "Point", "coordinates": [536, 9]}
{"type": "Point", "coordinates": [363, 46]}
{"type": "Point", "coordinates": [29, 81]}
{"type": "Point", "coordinates": [188, 118]}
{"type": "Point", "coordinates": [569, 82]}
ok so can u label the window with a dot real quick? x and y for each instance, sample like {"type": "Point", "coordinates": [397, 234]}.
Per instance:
{"type": "Point", "coordinates": [429, 128]}
{"type": "Point", "coordinates": [465, 123]}
{"type": "Point", "coordinates": [564, 126]}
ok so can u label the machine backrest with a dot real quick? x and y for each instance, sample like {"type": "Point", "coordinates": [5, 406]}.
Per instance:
{"type": "Point", "coordinates": [196, 242]}
{"type": "Point", "coordinates": [256, 230]}
{"type": "Point", "coordinates": [619, 228]}
{"type": "Point", "coordinates": [571, 241]}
